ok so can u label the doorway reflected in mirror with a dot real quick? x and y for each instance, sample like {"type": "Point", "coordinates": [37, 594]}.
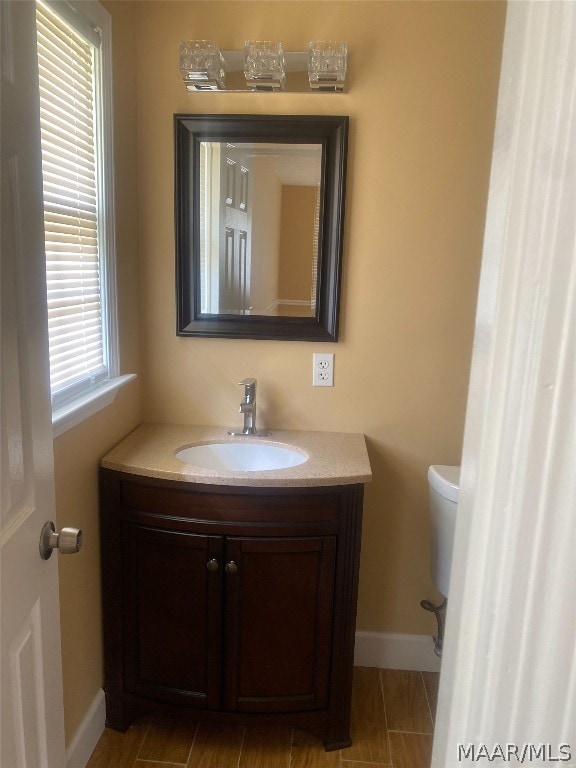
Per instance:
{"type": "Point", "coordinates": [259, 217]}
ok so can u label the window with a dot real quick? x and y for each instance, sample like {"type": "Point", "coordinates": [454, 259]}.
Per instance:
{"type": "Point", "coordinates": [75, 122]}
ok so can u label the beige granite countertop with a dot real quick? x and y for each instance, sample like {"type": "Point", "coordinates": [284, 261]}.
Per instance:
{"type": "Point", "coordinates": [334, 458]}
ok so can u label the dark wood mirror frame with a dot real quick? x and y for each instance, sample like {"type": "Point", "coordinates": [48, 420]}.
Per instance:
{"type": "Point", "coordinates": [331, 132]}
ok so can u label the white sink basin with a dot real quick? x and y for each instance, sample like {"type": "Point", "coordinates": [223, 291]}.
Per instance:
{"type": "Point", "coordinates": [241, 457]}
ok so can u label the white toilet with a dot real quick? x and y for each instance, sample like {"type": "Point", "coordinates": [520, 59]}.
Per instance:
{"type": "Point", "coordinates": [444, 485]}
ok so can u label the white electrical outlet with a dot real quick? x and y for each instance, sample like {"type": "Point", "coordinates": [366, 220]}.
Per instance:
{"type": "Point", "coordinates": [323, 369]}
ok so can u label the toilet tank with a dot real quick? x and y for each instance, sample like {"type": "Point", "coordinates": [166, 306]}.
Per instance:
{"type": "Point", "coordinates": [444, 482]}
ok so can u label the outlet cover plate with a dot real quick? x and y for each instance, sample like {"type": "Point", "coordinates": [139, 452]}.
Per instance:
{"type": "Point", "coordinates": [323, 369]}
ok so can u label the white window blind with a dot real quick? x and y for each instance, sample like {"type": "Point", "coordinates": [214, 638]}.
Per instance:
{"type": "Point", "coordinates": [70, 88]}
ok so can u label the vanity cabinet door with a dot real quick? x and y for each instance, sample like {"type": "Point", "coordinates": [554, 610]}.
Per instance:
{"type": "Point", "coordinates": [278, 623]}
{"type": "Point", "coordinates": [173, 615]}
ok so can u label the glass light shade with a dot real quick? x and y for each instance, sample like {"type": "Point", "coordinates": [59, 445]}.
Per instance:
{"type": "Point", "coordinates": [264, 65]}
{"type": "Point", "coordinates": [327, 63]}
{"type": "Point", "coordinates": [202, 65]}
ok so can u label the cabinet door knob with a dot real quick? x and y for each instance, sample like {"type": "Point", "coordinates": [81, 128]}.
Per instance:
{"type": "Point", "coordinates": [231, 567]}
{"type": "Point", "coordinates": [212, 565]}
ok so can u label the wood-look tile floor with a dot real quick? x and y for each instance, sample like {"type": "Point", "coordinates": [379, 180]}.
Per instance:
{"type": "Point", "coordinates": [392, 725]}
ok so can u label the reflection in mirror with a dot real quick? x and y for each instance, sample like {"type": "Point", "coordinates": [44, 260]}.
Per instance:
{"type": "Point", "coordinates": [259, 216]}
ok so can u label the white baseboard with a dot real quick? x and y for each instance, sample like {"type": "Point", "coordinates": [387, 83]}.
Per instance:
{"type": "Point", "coordinates": [88, 734]}
{"type": "Point", "coordinates": [392, 651]}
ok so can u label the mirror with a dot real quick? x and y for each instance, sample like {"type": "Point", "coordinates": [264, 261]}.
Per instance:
{"type": "Point", "coordinates": [253, 261]}
{"type": "Point", "coordinates": [259, 218]}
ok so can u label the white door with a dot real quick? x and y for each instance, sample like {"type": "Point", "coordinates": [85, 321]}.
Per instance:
{"type": "Point", "coordinates": [508, 685]}
{"type": "Point", "coordinates": [31, 711]}
{"type": "Point", "coordinates": [235, 244]}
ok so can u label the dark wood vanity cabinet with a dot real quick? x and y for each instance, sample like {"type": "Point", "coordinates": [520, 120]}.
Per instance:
{"type": "Point", "coordinates": [266, 601]}
{"type": "Point", "coordinates": [237, 601]}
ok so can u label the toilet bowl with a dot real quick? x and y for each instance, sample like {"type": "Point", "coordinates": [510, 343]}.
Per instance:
{"type": "Point", "coordinates": [444, 482]}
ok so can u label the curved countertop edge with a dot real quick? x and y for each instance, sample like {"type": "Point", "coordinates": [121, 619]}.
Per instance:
{"type": "Point", "coordinates": [334, 458]}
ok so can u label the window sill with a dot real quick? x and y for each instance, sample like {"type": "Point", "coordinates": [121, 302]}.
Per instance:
{"type": "Point", "coordinates": [69, 415]}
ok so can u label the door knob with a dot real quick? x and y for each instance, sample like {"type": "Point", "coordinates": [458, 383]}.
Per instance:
{"type": "Point", "coordinates": [231, 567]}
{"type": "Point", "coordinates": [212, 565]}
{"type": "Point", "coordinates": [68, 541]}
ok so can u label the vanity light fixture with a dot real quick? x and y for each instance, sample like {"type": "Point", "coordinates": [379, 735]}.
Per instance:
{"type": "Point", "coordinates": [264, 65]}
{"type": "Point", "coordinates": [202, 65]}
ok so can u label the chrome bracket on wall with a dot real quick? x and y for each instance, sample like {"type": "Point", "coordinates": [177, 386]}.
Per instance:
{"type": "Point", "coordinates": [440, 612]}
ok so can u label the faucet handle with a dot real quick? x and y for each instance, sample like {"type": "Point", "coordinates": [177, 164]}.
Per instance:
{"type": "Point", "coordinates": [250, 389]}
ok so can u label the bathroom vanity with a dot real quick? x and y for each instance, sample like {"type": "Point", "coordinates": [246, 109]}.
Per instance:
{"type": "Point", "coordinates": [232, 592]}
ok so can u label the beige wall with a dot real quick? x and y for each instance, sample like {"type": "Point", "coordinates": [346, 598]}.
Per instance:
{"type": "Point", "coordinates": [77, 452]}
{"type": "Point", "coordinates": [423, 81]}
{"type": "Point", "coordinates": [297, 242]}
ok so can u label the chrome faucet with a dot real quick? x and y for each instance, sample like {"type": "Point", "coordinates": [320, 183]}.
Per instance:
{"type": "Point", "coordinates": [248, 408]}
